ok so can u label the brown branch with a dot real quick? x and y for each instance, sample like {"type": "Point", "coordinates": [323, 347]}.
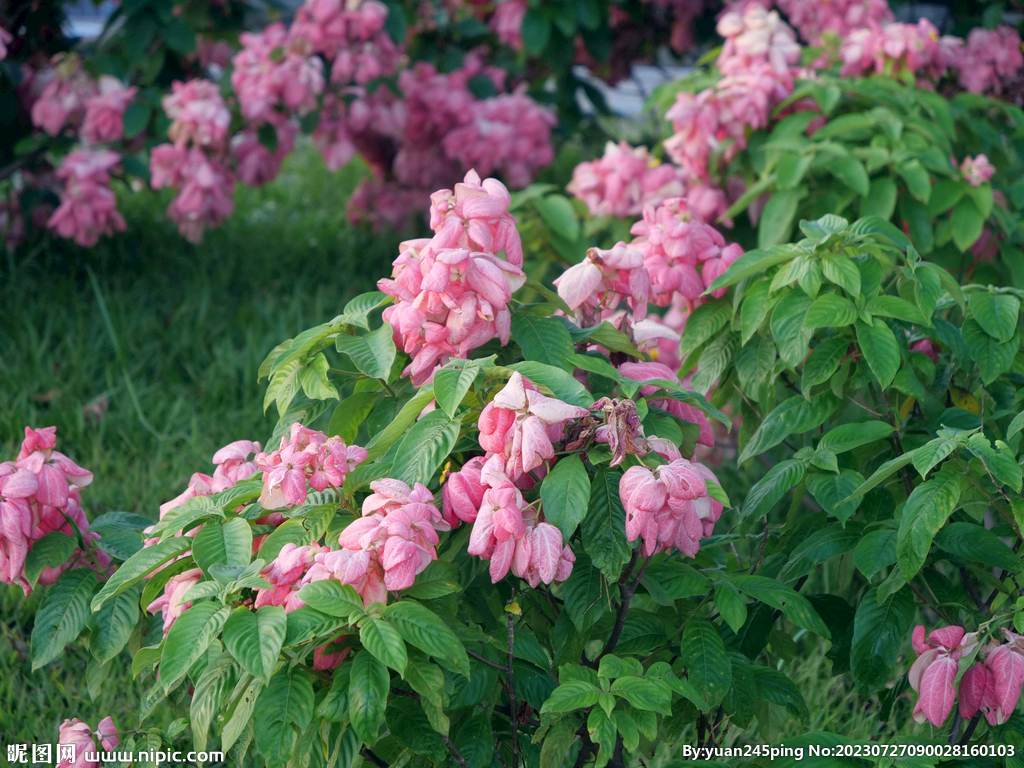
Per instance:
{"type": "Point", "coordinates": [486, 661]}
{"type": "Point", "coordinates": [625, 598]}
{"type": "Point", "coordinates": [455, 753]}
{"type": "Point", "coordinates": [972, 591]}
{"type": "Point", "coordinates": [368, 755]}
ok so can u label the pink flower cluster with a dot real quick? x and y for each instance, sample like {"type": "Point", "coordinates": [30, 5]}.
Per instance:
{"type": "Point", "coordinates": [453, 290]}
{"type": "Point", "coordinates": [88, 207]}
{"type": "Point", "coordinates": [674, 242]}
{"type": "Point", "coordinates": [896, 48]}
{"type": "Point", "coordinates": [989, 58]}
{"type": "Point", "coordinates": [79, 735]}
{"type": "Point", "coordinates": [756, 60]}
{"type": "Point", "coordinates": [286, 574]}
{"type": "Point", "coordinates": [6, 38]}
{"type": "Point", "coordinates": [669, 506]}
{"type": "Point", "coordinates": [62, 102]}
{"type": "Point", "coordinates": [506, 531]}
{"type": "Point", "coordinates": [690, 413]}
{"type": "Point", "coordinates": [171, 602]}
{"type": "Point", "coordinates": [350, 35]}
{"type": "Point", "coordinates": [507, 22]}
{"type": "Point", "coordinates": [624, 180]}
{"type": "Point", "coordinates": [839, 17]}
{"type": "Point", "coordinates": [39, 494]}
{"type": "Point", "coordinates": [521, 424]}
{"type": "Point", "coordinates": [104, 112]}
{"type": "Point", "coordinates": [389, 546]}
{"type": "Point", "coordinates": [977, 170]}
{"type": "Point", "coordinates": [305, 458]}
{"type": "Point", "coordinates": [603, 280]}
{"type": "Point", "coordinates": [264, 81]}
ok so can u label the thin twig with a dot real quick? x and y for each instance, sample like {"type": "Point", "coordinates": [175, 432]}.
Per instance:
{"type": "Point", "coordinates": [368, 755]}
{"type": "Point", "coordinates": [513, 705]}
{"type": "Point", "coordinates": [487, 661]}
{"type": "Point", "coordinates": [625, 598]}
{"type": "Point", "coordinates": [972, 591]}
{"type": "Point", "coordinates": [970, 728]}
{"type": "Point", "coordinates": [455, 753]}
{"type": "Point", "coordinates": [760, 554]}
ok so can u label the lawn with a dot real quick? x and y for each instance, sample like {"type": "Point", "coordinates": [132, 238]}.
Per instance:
{"type": "Point", "coordinates": [143, 352]}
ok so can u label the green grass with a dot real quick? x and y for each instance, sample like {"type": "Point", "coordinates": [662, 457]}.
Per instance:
{"type": "Point", "coordinates": [176, 364]}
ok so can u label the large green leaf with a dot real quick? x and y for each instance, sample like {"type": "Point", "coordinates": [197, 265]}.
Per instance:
{"type": "Point", "coordinates": [333, 598]}
{"type": "Point", "coordinates": [787, 325]}
{"type": "Point", "coordinates": [543, 339]}
{"type": "Point", "coordinates": [227, 543]}
{"type": "Point", "coordinates": [777, 218]}
{"type": "Point", "coordinates": [926, 511]}
{"type": "Point", "coordinates": [824, 360]}
{"type": "Point", "coordinates": [141, 563]}
{"type": "Point", "coordinates": [706, 660]}
{"type": "Point", "coordinates": [565, 494]}
{"type": "Point", "coordinates": [211, 688]}
{"type": "Point", "coordinates": [880, 349]}
{"type": "Point", "coordinates": [254, 638]}
{"type": "Point", "coordinates": [572, 695]}
{"type": "Point", "coordinates": [830, 310]}
{"type": "Point", "coordinates": [753, 263]}
{"type": "Point", "coordinates": [188, 639]}
{"type": "Point", "coordinates": [996, 313]}
{"type": "Point", "coordinates": [879, 630]}
{"type": "Point", "coordinates": [422, 628]}
{"type": "Point", "coordinates": [966, 224]}
{"type": "Point", "coordinates": [350, 413]}
{"type": "Point", "coordinates": [877, 550]}
{"type": "Point", "coordinates": [849, 436]}
{"type": "Point", "coordinates": [818, 548]}
{"type": "Point", "coordinates": [651, 695]}
{"type": "Point", "coordinates": [367, 695]}
{"type": "Point", "coordinates": [51, 550]}
{"type": "Point", "coordinates": [851, 172]}
{"type": "Point", "coordinates": [585, 593]}
{"type": "Point", "coordinates": [283, 711]}
{"type": "Point", "coordinates": [703, 323]}
{"type": "Point", "coordinates": [373, 353]}
{"type": "Point", "coordinates": [994, 358]}
{"type": "Point", "coordinates": [831, 491]}
{"type": "Point", "coordinates": [383, 641]}
{"type": "Point", "coordinates": [976, 544]}
{"type": "Point", "coordinates": [388, 436]}
{"type": "Point", "coordinates": [113, 624]}
{"type": "Point", "coordinates": [773, 486]}
{"type": "Point", "coordinates": [453, 381]}
{"type": "Point", "coordinates": [755, 307]}
{"type": "Point", "coordinates": [558, 381]}
{"type": "Point", "coordinates": [604, 527]}
{"type": "Point", "coordinates": [793, 605]}
{"type": "Point", "coordinates": [794, 416]}
{"type": "Point", "coordinates": [425, 448]}
{"type": "Point", "coordinates": [62, 615]}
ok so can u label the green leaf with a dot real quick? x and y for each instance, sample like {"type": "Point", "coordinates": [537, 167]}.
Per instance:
{"type": "Point", "coordinates": [1000, 461]}
{"type": "Point", "coordinates": [136, 118]}
{"type": "Point", "coordinates": [554, 746]}
{"type": "Point", "coordinates": [976, 544]}
{"type": "Point", "coordinates": [439, 579]}
{"type": "Point", "coordinates": [384, 642]}
{"type": "Point", "coordinates": [560, 382]}
{"type": "Point", "coordinates": [367, 695]}
{"type": "Point", "coordinates": [881, 474]}
{"type": "Point", "coordinates": [543, 339]}
{"type": "Point", "coordinates": [423, 629]}
{"type": "Point", "coordinates": [849, 436]}
{"type": "Point", "coordinates": [333, 598]}
{"type": "Point", "coordinates": [830, 310]}
{"type": "Point", "coordinates": [966, 223]}
{"type": "Point", "coordinates": [373, 353]}
{"type": "Point", "coordinates": [62, 615]}
{"type": "Point", "coordinates": [536, 31]}
{"type": "Point", "coordinates": [877, 550]}
{"type": "Point", "coordinates": [351, 413]}
{"type": "Point", "coordinates": [650, 695]}
{"type": "Point", "coordinates": [753, 263]}
{"type": "Point", "coordinates": [754, 309]}
{"type": "Point", "coordinates": [606, 335]}
{"type": "Point", "coordinates": [703, 323]}
{"type": "Point", "coordinates": [141, 563]}
{"type": "Point", "coordinates": [565, 493]}
{"type": "Point", "coordinates": [188, 639]}
{"type": "Point", "coordinates": [787, 326]}
{"type": "Point", "coordinates": [775, 687]}
{"type": "Point", "coordinates": [880, 349]}
{"type": "Point", "coordinates": [926, 511]}
{"type": "Point", "coordinates": [878, 634]}
{"type": "Point", "coordinates": [714, 360]}
{"type": "Point", "coordinates": [425, 448]}
{"type": "Point", "coordinates": [558, 213]}
{"type": "Point", "coordinates": [452, 382]}
{"type": "Point", "coordinates": [730, 605]}
{"type": "Point", "coordinates": [229, 543]}
{"type": "Point", "coordinates": [706, 660]}
{"type": "Point", "coordinates": [919, 183]}
{"type": "Point", "coordinates": [993, 358]}
{"type": "Point", "coordinates": [776, 222]}
{"type": "Point", "coordinates": [831, 491]}
{"type": "Point", "coordinates": [851, 172]}
{"type": "Point", "coordinates": [793, 416]}
{"type": "Point", "coordinates": [584, 593]}
{"type": "Point", "coordinates": [212, 686]}
{"type": "Point", "coordinates": [315, 382]}
{"type": "Point", "coordinates": [112, 626]}
{"type": "Point", "coordinates": [254, 639]}
{"type": "Point", "coordinates": [290, 531]}
{"type": "Point", "coordinates": [932, 453]}
{"type": "Point", "coordinates": [818, 548]}
{"type": "Point", "coordinates": [409, 725]}
{"type": "Point", "coordinates": [570, 696]}
{"type": "Point", "coordinates": [475, 742]}
{"type": "Point", "coordinates": [283, 711]}
{"type": "Point", "coordinates": [357, 312]}
{"type": "Point", "coordinates": [390, 434]}
{"type": "Point", "coordinates": [823, 361]}
{"type": "Point", "coordinates": [604, 528]}
{"type": "Point", "coordinates": [945, 194]}
{"type": "Point", "coordinates": [790, 169]}
{"type": "Point", "coordinates": [893, 306]}
{"type": "Point", "coordinates": [794, 606]}
{"type": "Point", "coordinates": [603, 732]}
{"type": "Point", "coordinates": [773, 486]}
{"type": "Point", "coordinates": [996, 313]}
{"type": "Point", "coordinates": [51, 550]}
{"type": "Point", "coordinates": [881, 198]}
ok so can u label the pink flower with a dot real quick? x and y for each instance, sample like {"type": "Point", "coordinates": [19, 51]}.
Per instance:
{"type": "Point", "coordinates": [623, 181]}
{"type": "Point", "coordinates": [88, 208]}
{"type": "Point", "coordinates": [840, 17]}
{"type": "Point", "coordinates": [934, 671]}
{"type": "Point", "coordinates": [107, 732]}
{"type": "Point", "coordinates": [507, 22]}
{"type": "Point", "coordinates": [206, 187]}
{"type": "Point", "coordinates": [926, 347]}
{"type": "Point", "coordinates": [292, 79]}
{"type": "Point", "coordinates": [476, 216]}
{"type": "Point", "coordinates": [285, 573]}
{"type": "Point", "coordinates": [464, 490]}
{"type": "Point", "coordinates": [6, 38]}
{"type": "Point", "coordinates": [604, 279]}
{"type": "Point", "coordinates": [104, 113]}
{"type": "Point", "coordinates": [538, 420]}
{"type": "Point", "coordinates": [647, 372]}
{"type": "Point", "coordinates": [754, 37]}
{"type": "Point", "coordinates": [198, 113]}
{"type": "Point", "coordinates": [305, 457]}
{"type": "Point", "coordinates": [994, 686]}
{"type": "Point", "coordinates": [78, 735]}
{"type": "Point", "coordinates": [989, 60]}
{"type": "Point", "coordinates": [62, 101]}
{"type": "Point", "coordinates": [977, 170]}
{"type": "Point", "coordinates": [170, 601]}
{"type": "Point", "coordinates": [256, 164]}
{"type": "Point", "coordinates": [669, 506]}
{"type": "Point", "coordinates": [539, 554]}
